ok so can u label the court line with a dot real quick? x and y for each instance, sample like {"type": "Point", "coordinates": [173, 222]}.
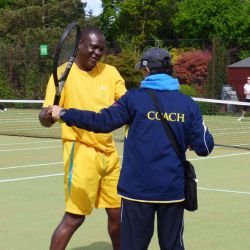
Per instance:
{"type": "Point", "coordinates": [211, 157]}
{"type": "Point", "coordinates": [61, 174]}
{"type": "Point", "coordinates": [31, 177]}
{"type": "Point", "coordinates": [23, 143]}
{"type": "Point", "coordinates": [21, 120]}
{"type": "Point", "coordinates": [232, 146]}
{"type": "Point", "coordinates": [224, 190]}
{"type": "Point", "coordinates": [192, 159]}
{"type": "Point", "coordinates": [32, 165]}
{"type": "Point", "coordinates": [55, 163]}
{"type": "Point", "coordinates": [22, 149]}
{"type": "Point", "coordinates": [24, 129]}
{"type": "Point", "coordinates": [218, 156]}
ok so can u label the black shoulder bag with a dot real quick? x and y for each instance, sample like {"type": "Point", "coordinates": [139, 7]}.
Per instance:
{"type": "Point", "coordinates": [190, 188]}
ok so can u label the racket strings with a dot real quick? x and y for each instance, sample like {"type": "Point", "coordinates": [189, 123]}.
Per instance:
{"type": "Point", "coordinates": [65, 59]}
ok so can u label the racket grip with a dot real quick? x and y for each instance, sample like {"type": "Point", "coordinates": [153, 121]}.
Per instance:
{"type": "Point", "coordinates": [57, 99]}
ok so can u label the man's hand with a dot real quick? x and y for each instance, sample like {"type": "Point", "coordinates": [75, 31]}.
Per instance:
{"type": "Point", "coordinates": [45, 117]}
{"type": "Point", "coordinates": [55, 112]}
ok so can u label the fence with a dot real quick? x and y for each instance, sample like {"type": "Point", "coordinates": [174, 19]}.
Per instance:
{"type": "Point", "coordinates": [24, 72]}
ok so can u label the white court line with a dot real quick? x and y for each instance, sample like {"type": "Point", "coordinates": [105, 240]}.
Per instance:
{"type": "Point", "coordinates": [61, 174]}
{"type": "Point", "coordinates": [230, 132]}
{"type": "Point", "coordinates": [33, 165]}
{"type": "Point", "coordinates": [22, 149]}
{"type": "Point", "coordinates": [21, 143]}
{"type": "Point", "coordinates": [224, 190]}
{"type": "Point", "coordinates": [218, 156]}
{"type": "Point", "coordinates": [23, 120]}
{"type": "Point", "coordinates": [55, 163]}
{"type": "Point", "coordinates": [25, 129]}
{"type": "Point", "coordinates": [32, 177]}
{"type": "Point", "coordinates": [232, 146]}
{"type": "Point", "coordinates": [213, 157]}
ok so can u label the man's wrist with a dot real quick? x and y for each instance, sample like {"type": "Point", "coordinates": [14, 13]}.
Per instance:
{"type": "Point", "coordinates": [62, 114]}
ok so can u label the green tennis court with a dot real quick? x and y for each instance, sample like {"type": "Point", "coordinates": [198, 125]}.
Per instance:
{"type": "Point", "coordinates": [32, 198]}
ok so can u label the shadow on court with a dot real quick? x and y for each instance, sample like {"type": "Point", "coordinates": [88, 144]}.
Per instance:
{"type": "Point", "coordinates": [95, 246]}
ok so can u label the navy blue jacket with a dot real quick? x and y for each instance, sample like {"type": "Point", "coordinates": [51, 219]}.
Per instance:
{"type": "Point", "coordinates": [151, 170]}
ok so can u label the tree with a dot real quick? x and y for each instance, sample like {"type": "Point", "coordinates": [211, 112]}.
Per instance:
{"type": "Point", "coordinates": [5, 3]}
{"type": "Point", "coordinates": [188, 90]}
{"type": "Point", "coordinates": [217, 69]}
{"type": "Point", "coordinates": [125, 62]}
{"type": "Point", "coordinates": [206, 19]}
{"type": "Point", "coordinates": [24, 25]}
{"type": "Point", "coordinates": [141, 23]}
{"type": "Point", "coordinates": [192, 68]}
{"type": "Point", "coordinates": [108, 17]}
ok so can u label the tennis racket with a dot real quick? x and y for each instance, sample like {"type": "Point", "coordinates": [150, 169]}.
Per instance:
{"type": "Point", "coordinates": [66, 51]}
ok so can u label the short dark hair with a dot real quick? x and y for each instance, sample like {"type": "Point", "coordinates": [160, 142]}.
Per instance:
{"type": "Point", "coordinates": [86, 30]}
{"type": "Point", "coordinates": [167, 67]}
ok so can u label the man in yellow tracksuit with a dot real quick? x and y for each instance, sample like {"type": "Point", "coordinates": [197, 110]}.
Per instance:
{"type": "Point", "coordinates": [91, 162]}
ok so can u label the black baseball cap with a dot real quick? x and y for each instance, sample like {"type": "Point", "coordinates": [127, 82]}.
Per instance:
{"type": "Point", "coordinates": [153, 58]}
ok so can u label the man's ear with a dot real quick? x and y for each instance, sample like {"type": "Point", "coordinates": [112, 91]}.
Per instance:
{"type": "Point", "coordinates": [146, 71]}
{"type": "Point", "coordinates": [80, 44]}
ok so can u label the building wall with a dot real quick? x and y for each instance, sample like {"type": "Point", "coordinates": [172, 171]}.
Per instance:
{"type": "Point", "coordinates": [236, 77]}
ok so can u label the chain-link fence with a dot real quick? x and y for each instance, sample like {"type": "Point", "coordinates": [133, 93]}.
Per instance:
{"type": "Point", "coordinates": [24, 70]}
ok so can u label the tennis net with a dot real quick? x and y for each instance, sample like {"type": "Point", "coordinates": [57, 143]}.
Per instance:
{"type": "Point", "coordinates": [221, 117]}
{"type": "Point", "coordinates": [20, 118]}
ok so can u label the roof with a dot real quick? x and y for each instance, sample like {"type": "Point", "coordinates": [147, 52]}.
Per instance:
{"type": "Point", "coordinates": [241, 64]}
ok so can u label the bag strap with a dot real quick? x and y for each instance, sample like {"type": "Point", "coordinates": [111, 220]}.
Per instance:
{"type": "Point", "coordinates": [166, 125]}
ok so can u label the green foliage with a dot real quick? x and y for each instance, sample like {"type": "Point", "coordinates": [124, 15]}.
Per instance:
{"type": "Point", "coordinates": [39, 22]}
{"type": "Point", "coordinates": [125, 62]}
{"type": "Point", "coordinates": [244, 54]}
{"type": "Point", "coordinates": [6, 91]}
{"type": "Point", "coordinates": [141, 23]}
{"type": "Point", "coordinates": [188, 90]}
{"type": "Point", "coordinates": [107, 18]}
{"type": "Point", "coordinates": [51, 14]}
{"type": "Point", "coordinates": [130, 27]}
{"type": "Point", "coordinates": [217, 70]}
{"type": "Point", "coordinates": [208, 108]}
{"type": "Point", "coordinates": [5, 3]}
{"type": "Point", "coordinates": [205, 19]}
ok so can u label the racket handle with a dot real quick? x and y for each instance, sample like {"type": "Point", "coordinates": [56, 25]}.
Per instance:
{"type": "Point", "coordinates": [57, 99]}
